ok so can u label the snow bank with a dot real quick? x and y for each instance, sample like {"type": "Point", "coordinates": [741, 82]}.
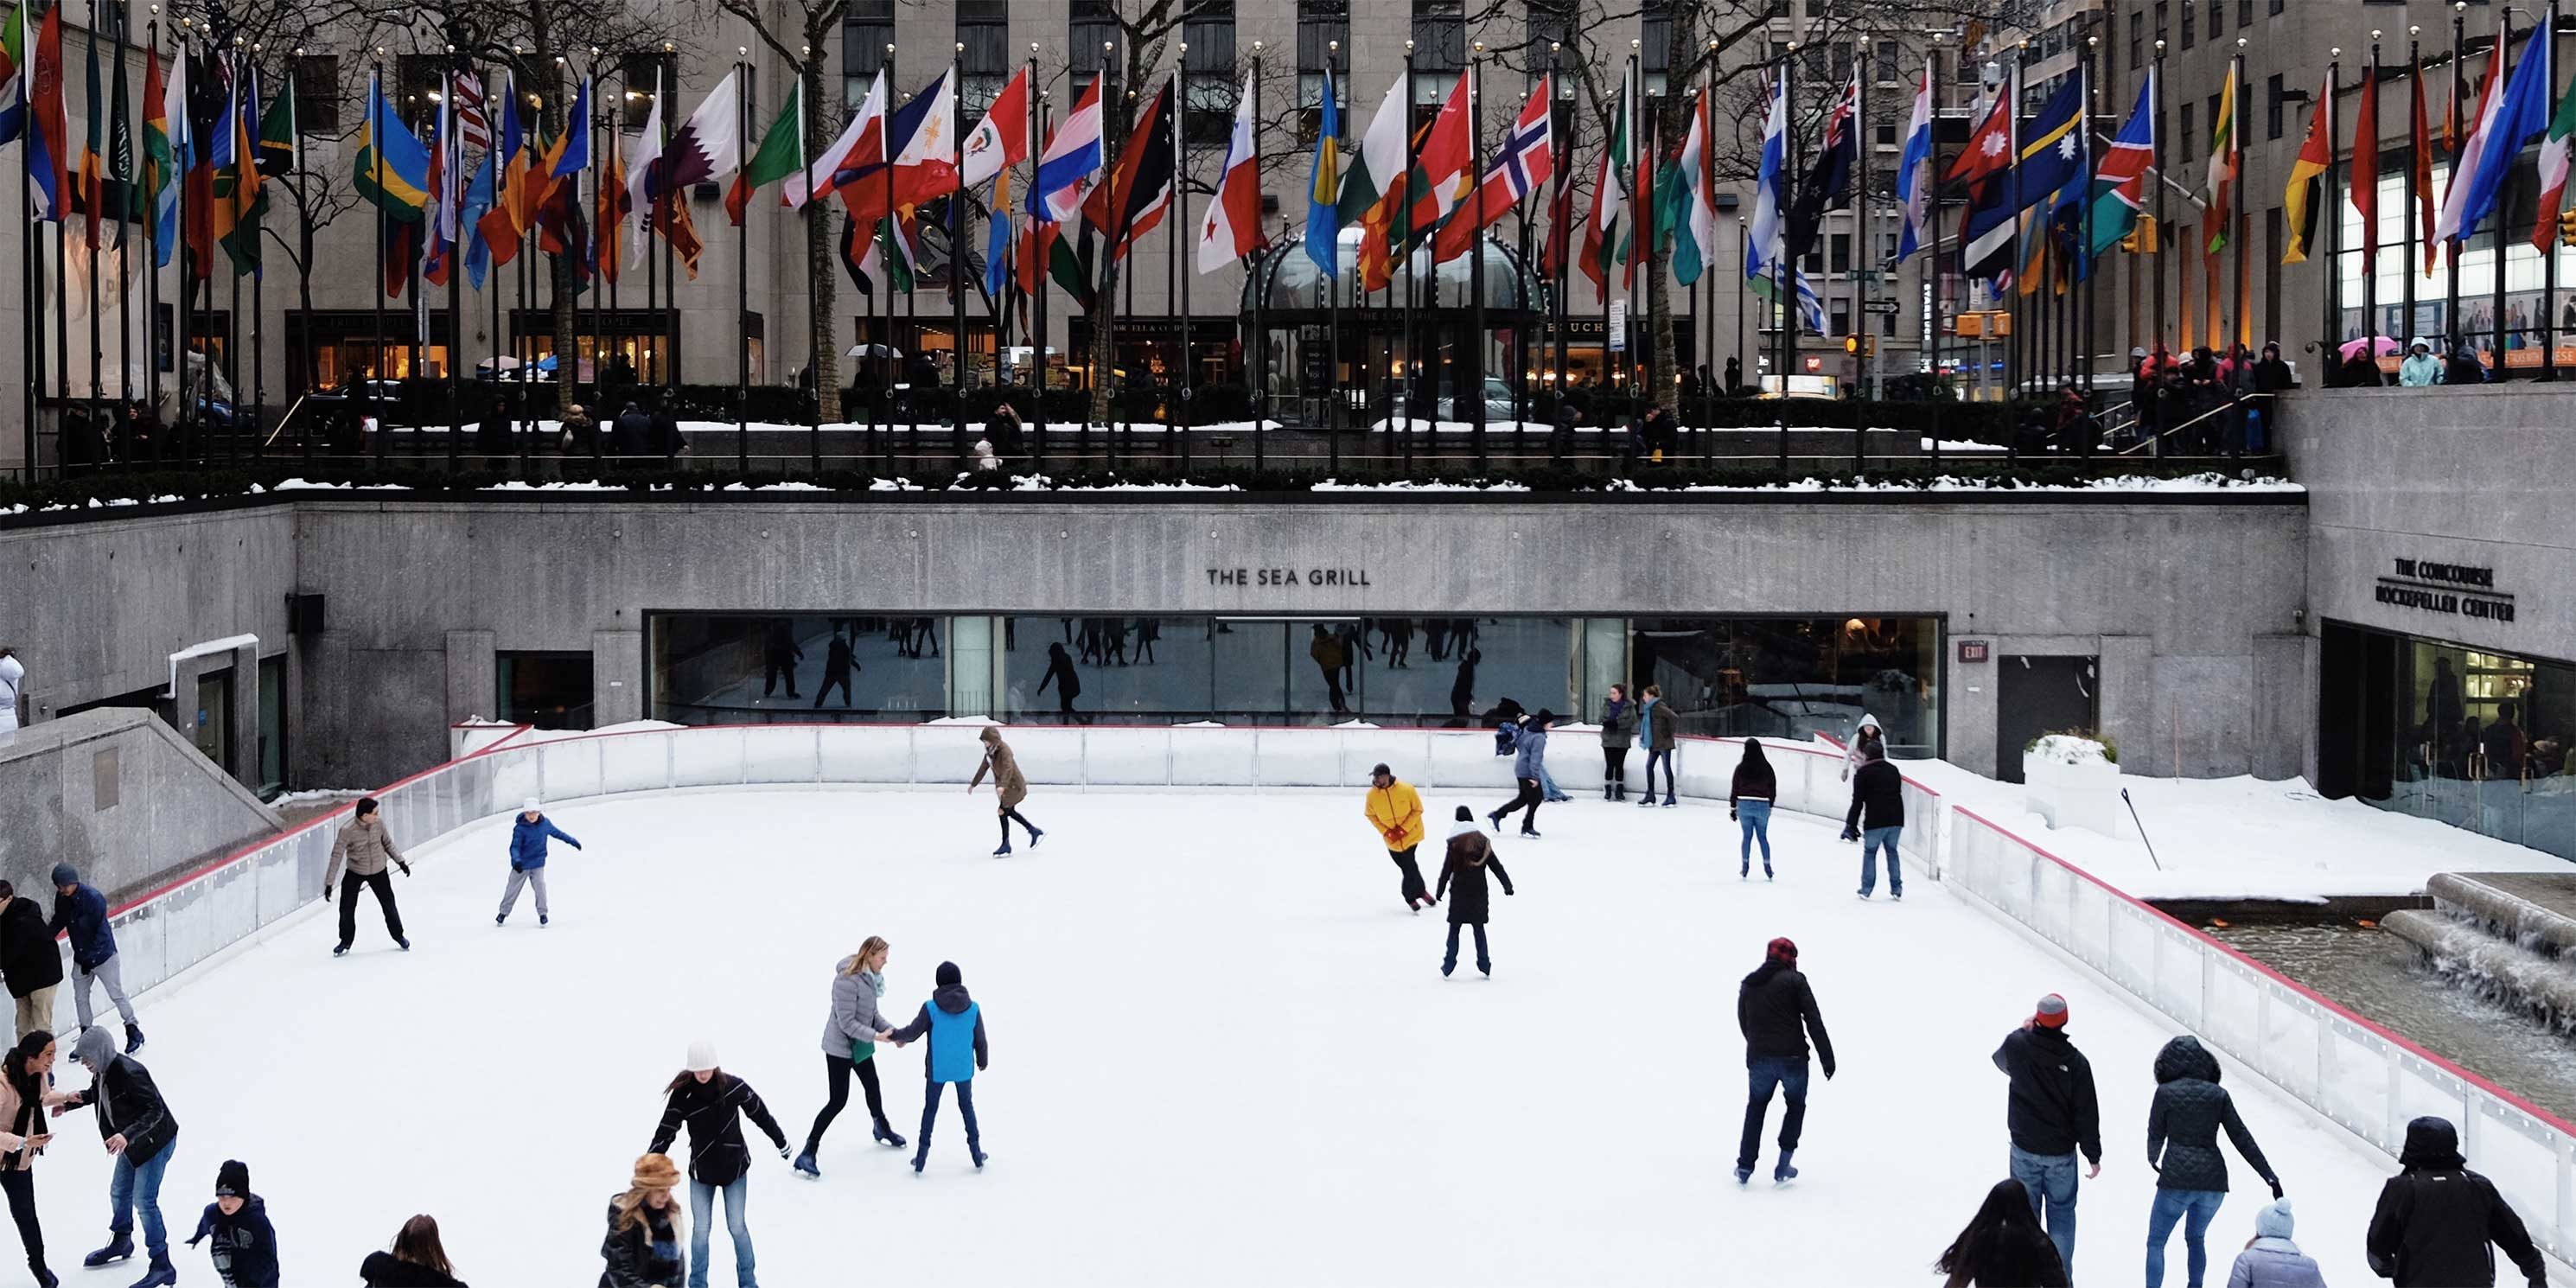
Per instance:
{"type": "Point", "coordinates": [2068, 749]}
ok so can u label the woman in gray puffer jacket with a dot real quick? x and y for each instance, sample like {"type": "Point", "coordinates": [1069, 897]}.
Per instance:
{"type": "Point", "coordinates": [2183, 1124]}
{"type": "Point", "coordinates": [850, 1037]}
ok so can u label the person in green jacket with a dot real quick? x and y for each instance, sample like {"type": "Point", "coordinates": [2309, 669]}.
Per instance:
{"type": "Point", "coordinates": [1658, 731]}
{"type": "Point", "coordinates": [1618, 726]}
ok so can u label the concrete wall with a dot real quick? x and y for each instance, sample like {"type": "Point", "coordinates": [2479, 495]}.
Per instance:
{"type": "Point", "coordinates": [119, 795]}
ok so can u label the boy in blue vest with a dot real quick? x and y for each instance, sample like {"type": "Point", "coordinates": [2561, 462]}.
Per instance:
{"type": "Point", "coordinates": [955, 1025]}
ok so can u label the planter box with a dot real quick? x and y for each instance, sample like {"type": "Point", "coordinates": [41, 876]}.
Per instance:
{"type": "Point", "coordinates": [2085, 796]}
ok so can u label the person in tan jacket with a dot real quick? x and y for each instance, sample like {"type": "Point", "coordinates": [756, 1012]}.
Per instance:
{"type": "Point", "coordinates": [1008, 787]}
{"type": "Point", "coordinates": [365, 848]}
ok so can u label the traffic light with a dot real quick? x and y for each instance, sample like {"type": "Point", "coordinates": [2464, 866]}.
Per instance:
{"type": "Point", "coordinates": [2567, 226]}
{"type": "Point", "coordinates": [1859, 345]}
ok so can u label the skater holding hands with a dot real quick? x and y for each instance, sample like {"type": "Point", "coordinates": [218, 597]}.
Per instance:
{"type": "Point", "coordinates": [23, 1099]}
{"type": "Point", "coordinates": [954, 1023]}
{"type": "Point", "coordinates": [1008, 787]}
{"type": "Point", "coordinates": [850, 1037]}
{"type": "Point", "coordinates": [528, 839]}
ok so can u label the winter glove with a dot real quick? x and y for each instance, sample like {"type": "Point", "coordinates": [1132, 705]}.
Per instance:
{"type": "Point", "coordinates": [2276, 1189]}
{"type": "Point", "coordinates": [1829, 1070]}
{"type": "Point", "coordinates": [1850, 835]}
{"type": "Point", "coordinates": [326, 894]}
{"type": "Point", "coordinates": [786, 1151]}
{"type": "Point", "coordinates": [406, 868]}
{"type": "Point", "coordinates": [1730, 813]}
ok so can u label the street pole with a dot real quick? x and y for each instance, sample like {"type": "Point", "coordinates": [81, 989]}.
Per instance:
{"type": "Point", "coordinates": [2453, 335]}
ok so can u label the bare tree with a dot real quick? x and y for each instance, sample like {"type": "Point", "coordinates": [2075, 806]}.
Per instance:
{"type": "Point", "coordinates": [806, 45]}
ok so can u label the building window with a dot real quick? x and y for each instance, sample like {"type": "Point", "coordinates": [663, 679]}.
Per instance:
{"type": "Point", "coordinates": [1319, 24]}
{"type": "Point", "coordinates": [317, 93]}
{"type": "Point", "coordinates": [2137, 41]}
{"type": "Point", "coordinates": [548, 690]}
{"type": "Point", "coordinates": [2184, 139]}
{"type": "Point", "coordinates": [984, 28]}
{"type": "Point", "coordinates": [2163, 23]}
{"type": "Point", "coordinates": [2273, 107]}
{"type": "Point", "coordinates": [1090, 27]}
{"type": "Point", "coordinates": [2190, 27]}
{"type": "Point", "coordinates": [418, 78]}
{"type": "Point", "coordinates": [2245, 12]}
{"type": "Point", "coordinates": [1439, 35]}
{"type": "Point", "coordinates": [866, 29]}
{"type": "Point", "coordinates": [1550, 22]}
{"type": "Point", "coordinates": [1884, 69]}
{"type": "Point", "coordinates": [1842, 64]}
{"type": "Point", "coordinates": [2217, 18]}
{"type": "Point", "coordinates": [1839, 260]}
{"type": "Point", "coordinates": [2277, 6]}
{"type": "Point", "coordinates": [1207, 73]}
{"type": "Point", "coordinates": [1655, 44]}
{"type": "Point", "coordinates": [2213, 119]}
{"type": "Point", "coordinates": [642, 76]}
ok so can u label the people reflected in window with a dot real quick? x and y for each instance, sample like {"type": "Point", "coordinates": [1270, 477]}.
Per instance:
{"type": "Point", "coordinates": [779, 655]}
{"type": "Point", "coordinates": [1068, 686]}
{"type": "Point", "coordinates": [1331, 659]}
{"type": "Point", "coordinates": [1462, 691]}
{"type": "Point", "coordinates": [1397, 635]}
{"type": "Point", "coordinates": [838, 664]}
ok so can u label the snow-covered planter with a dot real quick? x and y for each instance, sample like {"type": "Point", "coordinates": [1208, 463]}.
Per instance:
{"type": "Point", "coordinates": [2073, 781]}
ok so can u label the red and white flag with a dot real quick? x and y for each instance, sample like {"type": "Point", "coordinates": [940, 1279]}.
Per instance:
{"type": "Point", "coordinates": [1232, 229]}
{"type": "Point", "coordinates": [1002, 139]}
{"type": "Point", "coordinates": [861, 142]}
{"type": "Point", "coordinates": [466, 93]}
{"type": "Point", "coordinates": [1526, 160]}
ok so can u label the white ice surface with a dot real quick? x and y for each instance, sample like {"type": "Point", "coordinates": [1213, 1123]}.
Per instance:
{"type": "Point", "coordinates": [1221, 1054]}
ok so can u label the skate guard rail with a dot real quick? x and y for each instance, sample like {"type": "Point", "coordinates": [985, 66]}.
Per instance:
{"type": "Point", "coordinates": [178, 924]}
{"type": "Point", "coordinates": [2362, 1076]}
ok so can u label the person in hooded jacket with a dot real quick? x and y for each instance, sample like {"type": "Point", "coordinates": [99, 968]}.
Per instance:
{"type": "Point", "coordinates": [1658, 734]}
{"type": "Point", "coordinates": [142, 1134]}
{"type": "Point", "coordinates": [1529, 751]}
{"type": "Point", "coordinates": [245, 1251]}
{"type": "Point", "coordinates": [2182, 1145]}
{"type": "Point", "coordinates": [23, 1136]}
{"type": "Point", "coordinates": [1856, 754]}
{"type": "Point", "coordinates": [2270, 1259]}
{"type": "Point", "coordinates": [29, 961]}
{"type": "Point", "coordinates": [1877, 819]}
{"type": "Point", "coordinates": [80, 914]}
{"type": "Point", "coordinates": [713, 1103]}
{"type": "Point", "coordinates": [850, 1036]}
{"type": "Point", "coordinates": [418, 1259]}
{"type": "Point", "coordinates": [1470, 855]}
{"type": "Point", "coordinates": [528, 839]}
{"type": "Point", "coordinates": [954, 1023]}
{"type": "Point", "coordinates": [2003, 1246]}
{"type": "Point", "coordinates": [643, 1244]}
{"type": "Point", "coordinates": [2436, 1217]}
{"type": "Point", "coordinates": [1748, 802]}
{"type": "Point", "coordinates": [1618, 728]}
{"type": "Point", "coordinates": [1009, 787]}
{"type": "Point", "coordinates": [2053, 1114]}
{"type": "Point", "coordinates": [1776, 1010]}
{"type": "Point", "coordinates": [1395, 810]}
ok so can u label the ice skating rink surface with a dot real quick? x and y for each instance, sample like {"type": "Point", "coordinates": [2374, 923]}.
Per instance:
{"type": "Point", "coordinates": [1222, 1053]}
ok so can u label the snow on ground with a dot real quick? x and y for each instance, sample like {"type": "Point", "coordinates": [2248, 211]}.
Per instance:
{"type": "Point", "coordinates": [1221, 1053]}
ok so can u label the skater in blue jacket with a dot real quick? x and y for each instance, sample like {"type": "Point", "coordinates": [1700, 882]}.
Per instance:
{"type": "Point", "coordinates": [955, 1026]}
{"type": "Point", "coordinates": [528, 857]}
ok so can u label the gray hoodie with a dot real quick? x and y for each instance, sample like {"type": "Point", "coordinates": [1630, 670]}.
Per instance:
{"type": "Point", "coordinates": [854, 1017]}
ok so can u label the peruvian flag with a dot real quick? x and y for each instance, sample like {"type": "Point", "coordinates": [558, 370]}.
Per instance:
{"type": "Point", "coordinates": [1232, 229]}
{"type": "Point", "coordinates": [1526, 160]}
{"type": "Point", "coordinates": [1003, 137]}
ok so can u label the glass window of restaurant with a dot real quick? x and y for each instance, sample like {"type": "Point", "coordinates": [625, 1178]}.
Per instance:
{"type": "Point", "coordinates": [1793, 677]}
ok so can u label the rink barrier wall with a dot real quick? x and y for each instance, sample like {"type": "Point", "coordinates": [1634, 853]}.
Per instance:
{"type": "Point", "coordinates": [2363, 1077]}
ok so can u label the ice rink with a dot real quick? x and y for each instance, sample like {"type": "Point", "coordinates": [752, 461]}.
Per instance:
{"type": "Point", "coordinates": [1222, 1052]}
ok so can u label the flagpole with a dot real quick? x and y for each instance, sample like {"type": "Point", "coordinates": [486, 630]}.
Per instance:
{"type": "Point", "coordinates": [1563, 165]}
{"type": "Point", "coordinates": [2453, 335]}
{"type": "Point", "coordinates": [957, 255]}
{"type": "Point", "coordinates": [182, 323]}
{"type": "Point", "coordinates": [882, 406]}
{"type": "Point", "coordinates": [123, 160]}
{"type": "Point", "coordinates": [668, 77]}
{"type": "Point", "coordinates": [601, 236]}
{"type": "Point", "coordinates": [654, 352]}
{"type": "Point", "coordinates": [1708, 271]}
{"type": "Point", "coordinates": [2156, 76]}
{"type": "Point", "coordinates": [1641, 226]}
{"type": "Point", "coordinates": [2369, 230]}
{"type": "Point", "coordinates": [2503, 200]}
{"type": "Point", "coordinates": [612, 122]}
{"type": "Point", "coordinates": [30, 293]}
{"type": "Point", "coordinates": [2330, 220]}
{"type": "Point", "coordinates": [1412, 351]}
{"type": "Point", "coordinates": [1784, 278]}
{"type": "Point", "coordinates": [1172, 247]}
{"type": "Point", "coordinates": [1259, 352]}
{"type": "Point", "coordinates": [2542, 237]}
{"type": "Point", "coordinates": [1476, 337]}
{"type": "Point", "coordinates": [2087, 356]}
{"type": "Point", "coordinates": [1038, 131]}
{"type": "Point", "coordinates": [151, 253]}
{"type": "Point", "coordinates": [96, 354]}
{"type": "Point", "coordinates": [1335, 400]}
{"type": "Point", "coordinates": [453, 139]}
{"type": "Point", "coordinates": [1931, 269]}
{"type": "Point", "coordinates": [742, 269]}
{"type": "Point", "coordinates": [1863, 143]}
{"type": "Point", "coordinates": [2414, 166]}
{"type": "Point", "coordinates": [493, 272]}
{"type": "Point", "coordinates": [258, 288]}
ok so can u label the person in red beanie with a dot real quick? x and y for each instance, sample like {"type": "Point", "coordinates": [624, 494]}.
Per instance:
{"type": "Point", "coordinates": [2053, 1114]}
{"type": "Point", "coordinates": [1777, 1011]}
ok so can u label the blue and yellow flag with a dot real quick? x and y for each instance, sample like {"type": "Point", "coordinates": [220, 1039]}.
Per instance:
{"type": "Point", "coordinates": [1323, 211]}
{"type": "Point", "coordinates": [392, 168]}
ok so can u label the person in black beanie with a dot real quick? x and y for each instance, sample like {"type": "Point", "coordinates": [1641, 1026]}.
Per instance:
{"type": "Point", "coordinates": [1777, 1012]}
{"type": "Point", "coordinates": [245, 1250]}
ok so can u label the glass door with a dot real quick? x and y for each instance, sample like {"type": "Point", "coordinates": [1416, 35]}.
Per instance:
{"type": "Point", "coordinates": [214, 723]}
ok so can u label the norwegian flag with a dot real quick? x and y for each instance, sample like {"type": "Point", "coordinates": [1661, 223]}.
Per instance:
{"type": "Point", "coordinates": [1527, 160]}
{"type": "Point", "coordinates": [466, 93]}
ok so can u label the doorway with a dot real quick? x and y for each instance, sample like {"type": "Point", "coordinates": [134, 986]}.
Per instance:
{"type": "Point", "coordinates": [213, 727]}
{"type": "Point", "coordinates": [2041, 695]}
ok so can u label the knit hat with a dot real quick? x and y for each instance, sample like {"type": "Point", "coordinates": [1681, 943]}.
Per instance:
{"type": "Point", "coordinates": [1380, 770]}
{"type": "Point", "coordinates": [1781, 951]}
{"type": "Point", "coordinates": [95, 1049]}
{"type": "Point", "coordinates": [656, 1172]}
{"type": "Point", "coordinates": [65, 874]}
{"type": "Point", "coordinates": [949, 976]}
{"type": "Point", "coordinates": [2273, 1222]}
{"type": "Point", "coordinates": [529, 805]}
{"type": "Point", "coordinates": [702, 1056]}
{"type": "Point", "coordinates": [2051, 1013]}
{"type": "Point", "coordinates": [232, 1180]}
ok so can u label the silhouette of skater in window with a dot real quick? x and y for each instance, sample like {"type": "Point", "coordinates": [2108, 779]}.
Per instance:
{"type": "Point", "coordinates": [1353, 637]}
{"type": "Point", "coordinates": [1148, 630]}
{"type": "Point", "coordinates": [1462, 691]}
{"type": "Point", "coordinates": [1397, 632]}
{"type": "Point", "coordinates": [1435, 633]}
{"type": "Point", "coordinates": [1327, 652]}
{"type": "Point", "coordinates": [837, 666]}
{"type": "Point", "coordinates": [1068, 685]}
{"type": "Point", "coordinates": [779, 656]}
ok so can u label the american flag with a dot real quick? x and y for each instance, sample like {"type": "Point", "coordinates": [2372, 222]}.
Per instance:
{"type": "Point", "coordinates": [472, 126]}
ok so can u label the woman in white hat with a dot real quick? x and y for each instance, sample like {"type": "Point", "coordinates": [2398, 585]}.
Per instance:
{"type": "Point", "coordinates": [712, 1103]}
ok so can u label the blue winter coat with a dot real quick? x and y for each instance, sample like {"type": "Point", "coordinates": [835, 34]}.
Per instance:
{"type": "Point", "coordinates": [528, 842]}
{"type": "Point", "coordinates": [1530, 755]}
{"type": "Point", "coordinates": [84, 914]}
{"type": "Point", "coordinates": [955, 1025]}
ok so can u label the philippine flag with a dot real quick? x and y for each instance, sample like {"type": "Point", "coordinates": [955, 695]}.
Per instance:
{"type": "Point", "coordinates": [1071, 157]}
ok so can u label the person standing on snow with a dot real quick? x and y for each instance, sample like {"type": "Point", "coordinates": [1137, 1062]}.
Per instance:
{"type": "Point", "coordinates": [80, 913]}
{"type": "Point", "coordinates": [245, 1250]}
{"type": "Point", "coordinates": [1877, 818]}
{"type": "Point", "coordinates": [850, 1036]}
{"type": "Point", "coordinates": [528, 839]}
{"type": "Point", "coordinates": [1470, 855]}
{"type": "Point", "coordinates": [29, 961]}
{"type": "Point", "coordinates": [1777, 1012]}
{"type": "Point", "coordinates": [2182, 1145]}
{"type": "Point", "coordinates": [1748, 802]}
{"type": "Point", "coordinates": [23, 1097]}
{"type": "Point", "coordinates": [1395, 810]}
{"type": "Point", "coordinates": [712, 1103]}
{"type": "Point", "coordinates": [1658, 734]}
{"type": "Point", "coordinates": [1856, 754]}
{"type": "Point", "coordinates": [417, 1260]}
{"type": "Point", "coordinates": [142, 1134]}
{"type": "Point", "coordinates": [954, 1023]}
{"type": "Point", "coordinates": [1529, 753]}
{"type": "Point", "coordinates": [1618, 726]}
{"type": "Point", "coordinates": [643, 1244]}
{"type": "Point", "coordinates": [366, 847]}
{"type": "Point", "coordinates": [2436, 1217]}
{"type": "Point", "coordinates": [1009, 787]}
{"type": "Point", "coordinates": [2052, 1114]}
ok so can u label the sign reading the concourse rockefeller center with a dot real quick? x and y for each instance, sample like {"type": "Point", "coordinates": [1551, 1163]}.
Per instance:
{"type": "Point", "coordinates": [2464, 590]}
{"type": "Point", "coordinates": [1352, 577]}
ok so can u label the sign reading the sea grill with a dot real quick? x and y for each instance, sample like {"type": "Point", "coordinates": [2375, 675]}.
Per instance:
{"type": "Point", "coordinates": [1288, 577]}
{"type": "Point", "coordinates": [2465, 590]}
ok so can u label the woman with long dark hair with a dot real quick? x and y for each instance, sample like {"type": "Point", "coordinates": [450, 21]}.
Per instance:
{"type": "Point", "coordinates": [2003, 1246]}
{"type": "Point", "coordinates": [850, 1037]}
{"type": "Point", "coordinates": [1470, 857]}
{"type": "Point", "coordinates": [418, 1259]}
{"type": "Point", "coordinates": [22, 1137]}
{"type": "Point", "coordinates": [1748, 802]}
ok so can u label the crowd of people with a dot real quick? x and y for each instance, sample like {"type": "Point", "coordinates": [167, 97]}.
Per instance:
{"type": "Point", "coordinates": [2206, 403]}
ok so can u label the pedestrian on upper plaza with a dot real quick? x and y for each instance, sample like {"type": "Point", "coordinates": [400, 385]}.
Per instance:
{"type": "Point", "coordinates": [837, 667]}
{"type": "Point", "coordinates": [142, 1135]}
{"type": "Point", "coordinates": [643, 1244]}
{"type": "Point", "coordinates": [245, 1251]}
{"type": "Point", "coordinates": [982, 460]}
{"type": "Point", "coordinates": [1748, 802]}
{"type": "Point", "coordinates": [580, 432]}
{"type": "Point", "coordinates": [2182, 1145]}
{"type": "Point", "coordinates": [2270, 1259]}
{"type": "Point", "coordinates": [1877, 819]}
{"type": "Point", "coordinates": [80, 913]}
{"type": "Point", "coordinates": [2463, 367]}
{"type": "Point", "coordinates": [1618, 728]}
{"type": "Point", "coordinates": [418, 1259]}
{"type": "Point", "coordinates": [2003, 1246]}
{"type": "Point", "coordinates": [29, 961]}
{"type": "Point", "coordinates": [954, 1023]}
{"type": "Point", "coordinates": [1068, 685]}
{"type": "Point", "coordinates": [1395, 810]}
{"type": "Point", "coordinates": [366, 847]}
{"type": "Point", "coordinates": [713, 1103]}
{"type": "Point", "coordinates": [2436, 1217]}
{"type": "Point", "coordinates": [1469, 856]}
{"type": "Point", "coordinates": [1009, 788]}
{"type": "Point", "coordinates": [850, 1036]}
{"type": "Point", "coordinates": [631, 434]}
{"type": "Point", "coordinates": [528, 839]}
{"type": "Point", "coordinates": [2053, 1115]}
{"type": "Point", "coordinates": [13, 678]}
{"type": "Point", "coordinates": [1527, 754]}
{"type": "Point", "coordinates": [23, 1097]}
{"type": "Point", "coordinates": [1658, 734]}
{"type": "Point", "coordinates": [1776, 1010]}
{"type": "Point", "coordinates": [1562, 425]}
{"type": "Point", "coordinates": [667, 439]}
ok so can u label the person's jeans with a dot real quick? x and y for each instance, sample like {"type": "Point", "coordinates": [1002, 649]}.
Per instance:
{"type": "Point", "coordinates": [2200, 1207]}
{"type": "Point", "coordinates": [1871, 842]}
{"type": "Point", "coordinates": [1763, 1075]}
{"type": "Point", "coordinates": [702, 1197]}
{"type": "Point", "coordinates": [1663, 757]}
{"type": "Point", "coordinates": [134, 1185]}
{"type": "Point", "coordinates": [965, 1110]}
{"type": "Point", "coordinates": [1547, 786]}
{"type": "Point", "coordinates": [1754, 818]}
{"type": "Point", "coordinates": [1484, 961]}
{"type": "Point", "coordinates": [2050, 1178]}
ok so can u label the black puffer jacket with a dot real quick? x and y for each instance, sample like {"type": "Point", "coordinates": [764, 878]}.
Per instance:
{"type": "Point", "coordinates": [712, 1109]}
{"type": "Point", "coordinates": [1469, 905]}
{"type": "Point", "coordinates": [2436, 1218]}
{"type": "Point", "coordinates": [1777, 1011]}
{"type": "Point", "coordinates": [2183, 1123]}
{"type": "Point", "coordinates": [28, 957]}
{"type": "Point", "coordinates": [2052, 1109]}
{"type": "Point", "coordinates": [629, 1252]}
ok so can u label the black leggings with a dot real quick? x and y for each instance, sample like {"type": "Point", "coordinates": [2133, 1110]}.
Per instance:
{"type": "Point", "coordinates": [1412, 888]}
{"type": "Point", "coordinates": [1530, 797]}
{"type": "Point", "coordinates": [837, 1069]}
{"type": "Point", "coordinates": [20, 1186]}
{"type": "Point", "coordinates": [1614, 766]}
{"type": "Point", "coordinates": [1011, 814]}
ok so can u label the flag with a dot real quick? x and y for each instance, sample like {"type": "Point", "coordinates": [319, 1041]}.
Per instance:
{"type": "Point", "coordinates": [438, 255]}
{"type": "Point", "coordinates": [93, 178]}
{"type": "Point", "coordinates": [2225, 163]}
{"type": "Point", "coordinates": [895, 252]}
{"type": "Point", "coordinates": [609, 217]}
{"type": "Point", "coordinates": [1989, 151]}
{"type": "Point", "coordinates": [781, 154]}
{"type": "Point", "coordinates": [1992, 221]}
{"type": "Point", "coordinates": [477, 202]}
{"type": "Point", "coordinates": [2365, 170]}
{"type": "Point", "coordinates": [1232, 228]}
{"type": "Point", "coordinates": [572, 151]}
{"type": "Point", "coordinates": [1141, 190]}
{"type": "Point", "coordinates": [2554, 156]}
{"type": "Point", "coordinates": [997, 238]}
{"type": "Point", "coordinates": [513, 191]}
{"type": "Point", "coordinates": [2055, 150]}
{"type": "Point", "coordinates": [858, 249]}
{"type": "Point", "coordinates": [864, 136]}
{"type": "Point", "coordinates": [391, 169]}
{"type": "Point", "coordinates": [2507, 122]}
{"type": "Point", "coordinates": [641, 165]}
{"type": "Point", "coordinates": [1001, 139]}
{"type": "Point", "coordinates": [1560, 222]}
{"type": "Point", "coordinates": [2421, 141]}
{"type": "Point", "coordinates": [204, 108]}
{"type": "Point", "coordinates": [2120, 186]}
{"type": "Point", "coordinates": [1686, 212]}
{"type": "Point", "coordinates": [707, 146]}
{"type": "Point", "coordinates": [47, 159]}
{"type": "Point", "coordinates": [2469, 153]}
{"type": "Point", "coordinates": [1526, 159]}
{"type": "Point", "coordinates": [1036, 241]}
{"type": "Point", "coordinates": [120, 149]}
{"type": "Point", "coordinates": [1765, 250]}
{"type": "Point", "coordinates": [465, 91]}
{"type": "Point", "coordinates": [1377, 168]}
{"type": "Point", "coordinates": [1599, 249]}
{"type": "Point", "coordinates": [1914, 172]}
{"type": "Point", "coordinates": [1641, 207]}
{"type": "Point", "coordinates": [277, 129]}
{"type": "Point", "coordinates": [923, 139]}
{"type": "Point", "coordinates": [1811, 306]}
{"type": "Point", "coordinates": [2306, 196]}
{"type": "Point", "coordinates": [1829, 176]}
{"type": "Point", "coordinates": [681, 231]}
{"type": "Point", "coordinates": [13, 83]}
{"type": "Point", "coordinates": [163, 137]}
{"type": "Point", "coordinates": [2065, 230]}
{"type": "Point", "coordinates": [1324, 188]}
{"type": "Point", "coordinates": [237, 185]}
{"type": "Point", "coordinates": [1070, 264]}
{"type": "Point", "coordinates": [1072, 156]}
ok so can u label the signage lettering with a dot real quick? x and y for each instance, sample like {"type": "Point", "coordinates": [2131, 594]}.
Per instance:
{"type": "Point", "coordinates": [1357, 578]}
{"type": "Point", "coordinates": [2463, 590]}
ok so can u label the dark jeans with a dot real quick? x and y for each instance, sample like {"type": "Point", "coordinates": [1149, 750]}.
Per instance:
{"type": "Point", "coordinates": [965, 1107]}
{"type": "Point", "coordinates": [1414, 891]}
{"type": "Point", "coordinates": [1531, 798]}
{"type": "Point", "coordinates": [1663, 757]}
{"type": "Point", "coordinates": [21, 1189]}
{"type": "Point", "coordinates": [383, 884]}
{"type": "Point", "coordinates": [1763, 1075]}
{"type": "Point", "coordinates": [836, 1069]}
{"type": "Point", "coordinates": [1484, 961]}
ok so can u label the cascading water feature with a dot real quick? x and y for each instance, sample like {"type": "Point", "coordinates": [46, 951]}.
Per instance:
{"type": "Point", "coordinates": [2503, 936]}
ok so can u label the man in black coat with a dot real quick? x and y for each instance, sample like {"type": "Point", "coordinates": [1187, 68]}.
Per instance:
{"type": "Point", "coordinates": [29, 961]}
{"type": "Point", "coordinates": [631, 434]}
{"type": "Point", "coordinates": [2053, 1114]}
{"type": "Point", "coordinates": [1876, 820]}
{"type": "Point", "coordinates": [1778, 1014]}
{"type": "Point", "coordinates": [2436, 1218]}
{"type": "Point", "coordinates": [142, 1134]}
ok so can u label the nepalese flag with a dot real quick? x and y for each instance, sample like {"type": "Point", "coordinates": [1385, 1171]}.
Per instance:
{"type": "Point", "coordinates": [2120, 185]}
{"type": "Point", "coordinates": [1989, 151]}
{"type": "Point", "coordinates": [1525, 160]}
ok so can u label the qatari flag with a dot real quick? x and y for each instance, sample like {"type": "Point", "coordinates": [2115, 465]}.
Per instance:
{"type": "Point", "coordinates": [709, 144]}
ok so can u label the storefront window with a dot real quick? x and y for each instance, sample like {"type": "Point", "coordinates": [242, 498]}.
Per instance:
{"type": "Point", "coordinates": [744, 669]}
{"type": "Point", "coordinates": [2483, 743]}
{"type": "Point", "coordinates": [1121, 670]}
{"type": "Point", "coordinates": [1793, 677]}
